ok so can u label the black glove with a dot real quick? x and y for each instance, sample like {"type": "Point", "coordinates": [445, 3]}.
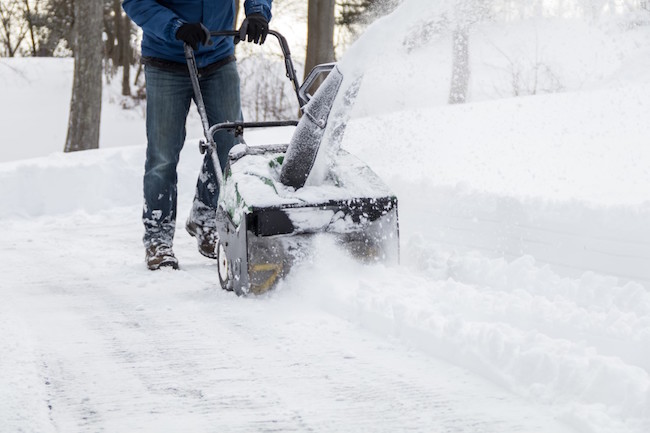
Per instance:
{"type": "Point", "coordinates": [193, 35]}
{"type": "Point", "coordinates": [256, 27]}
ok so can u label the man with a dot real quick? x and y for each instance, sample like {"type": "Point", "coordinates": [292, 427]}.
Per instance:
{"type": "Point", "coordinates": [166, 25]}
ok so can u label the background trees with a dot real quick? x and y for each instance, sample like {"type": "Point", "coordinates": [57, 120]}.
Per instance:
{"type": "Point", "coordinates": [14, 27]}
{"type": "Point", "coordinates": [35, 27]}
{"type": "Point", "coordinates": [48, 28]}
{"type": "Point", "coordinates": [119, 45]}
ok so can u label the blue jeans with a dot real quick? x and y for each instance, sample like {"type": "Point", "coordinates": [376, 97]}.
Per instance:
{"type": "Point", "coordinates": [169, 95]}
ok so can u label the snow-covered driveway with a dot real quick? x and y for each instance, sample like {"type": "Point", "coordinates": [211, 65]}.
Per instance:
{"type": "Point", "coordinates": [92, 341]}
{"type": "Point", "coordinates": [456, 339]}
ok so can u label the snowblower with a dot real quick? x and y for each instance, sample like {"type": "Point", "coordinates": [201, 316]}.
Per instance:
{"type": "Point", "coordinates": [275, 198]}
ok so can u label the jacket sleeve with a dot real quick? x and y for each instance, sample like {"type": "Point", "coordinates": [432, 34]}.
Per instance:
{"type": "Point", "coordinates": [154, 18]}
{"type": "Point", "coordinates": [258, 7]}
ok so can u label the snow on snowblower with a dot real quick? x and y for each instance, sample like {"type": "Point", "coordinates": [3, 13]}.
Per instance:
{"type": "Point", "coordinates": [275, 198]}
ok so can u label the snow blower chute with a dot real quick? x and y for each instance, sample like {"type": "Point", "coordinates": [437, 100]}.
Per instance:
{"type": "Point", "coordinates": [275, 198]}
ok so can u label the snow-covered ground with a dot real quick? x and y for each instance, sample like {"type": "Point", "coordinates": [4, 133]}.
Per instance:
{"type": "Point", "coordinates": [522, 303]}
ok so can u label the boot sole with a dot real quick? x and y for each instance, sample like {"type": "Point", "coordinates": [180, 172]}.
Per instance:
{"type": "Point", "coordinates": [164, 264]}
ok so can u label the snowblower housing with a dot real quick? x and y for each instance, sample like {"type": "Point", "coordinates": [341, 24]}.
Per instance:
{"type": "Point", "coordinates": [275, 199]}
{"type": "Point", "coordinates": [268, 215]}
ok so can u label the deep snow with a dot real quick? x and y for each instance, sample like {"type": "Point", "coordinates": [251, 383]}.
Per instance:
{"type": "Point", "coordinates": [522, 303]}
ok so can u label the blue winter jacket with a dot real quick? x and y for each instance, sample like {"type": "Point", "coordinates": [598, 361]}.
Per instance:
{"type": "Point", "coordinates": [160, 19]}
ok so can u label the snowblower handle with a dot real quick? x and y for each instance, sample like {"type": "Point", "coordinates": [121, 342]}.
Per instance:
{"type": "Point", "coordinates": [238, 126]}
{"type": "Point", "coordinates": [286, 52]}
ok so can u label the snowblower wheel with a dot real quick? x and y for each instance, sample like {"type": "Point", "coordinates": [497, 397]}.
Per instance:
{"type": "Point", "coordinates": [224, 268]}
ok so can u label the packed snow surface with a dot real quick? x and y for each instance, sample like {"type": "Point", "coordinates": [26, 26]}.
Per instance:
{"type": "Point", "coordinates": [522, 302]}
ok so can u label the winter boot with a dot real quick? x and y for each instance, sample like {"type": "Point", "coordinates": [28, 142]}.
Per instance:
{"type": "Point", "coordinates": [160, 255]}
{"type": "Point", "coordinates": [206, 238]}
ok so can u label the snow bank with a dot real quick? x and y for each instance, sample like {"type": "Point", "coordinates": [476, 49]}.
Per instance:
{"type": "Point", "coordinates": [90, 181]}
{"type": "Point", "coordinates": [574, 146]}
{"type": "Point", "coordinates": [578, 345]}
{"type": "Point", "coordinates": [34, 93]}
{"type": "Point", "coordinates": [60, 183]}
{"type": "Point", "coordinates": [563, 176]}
{"type": "Point", "coordinates": [523, 220]}
{"type": "Point", "coordinates": [35, 106]}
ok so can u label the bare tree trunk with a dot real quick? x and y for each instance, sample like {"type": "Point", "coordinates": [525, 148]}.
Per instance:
{"type": "Point", "coordinates": [117, 42]}
{"type": "Point", "coordinates": [460, 67]}
{"type": "Point", "coordinates": [30, 23]}
{"type": "Point", "coordinates": [126, 55]}
{"type": "Point", "coordinates": [320, 33]}
{"type": "Point", "coordinates": [138, 73]}
{"type": "Point", "coordinates": [86, 102]}
{"type": "Point", "coordinates": [123, 55]}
